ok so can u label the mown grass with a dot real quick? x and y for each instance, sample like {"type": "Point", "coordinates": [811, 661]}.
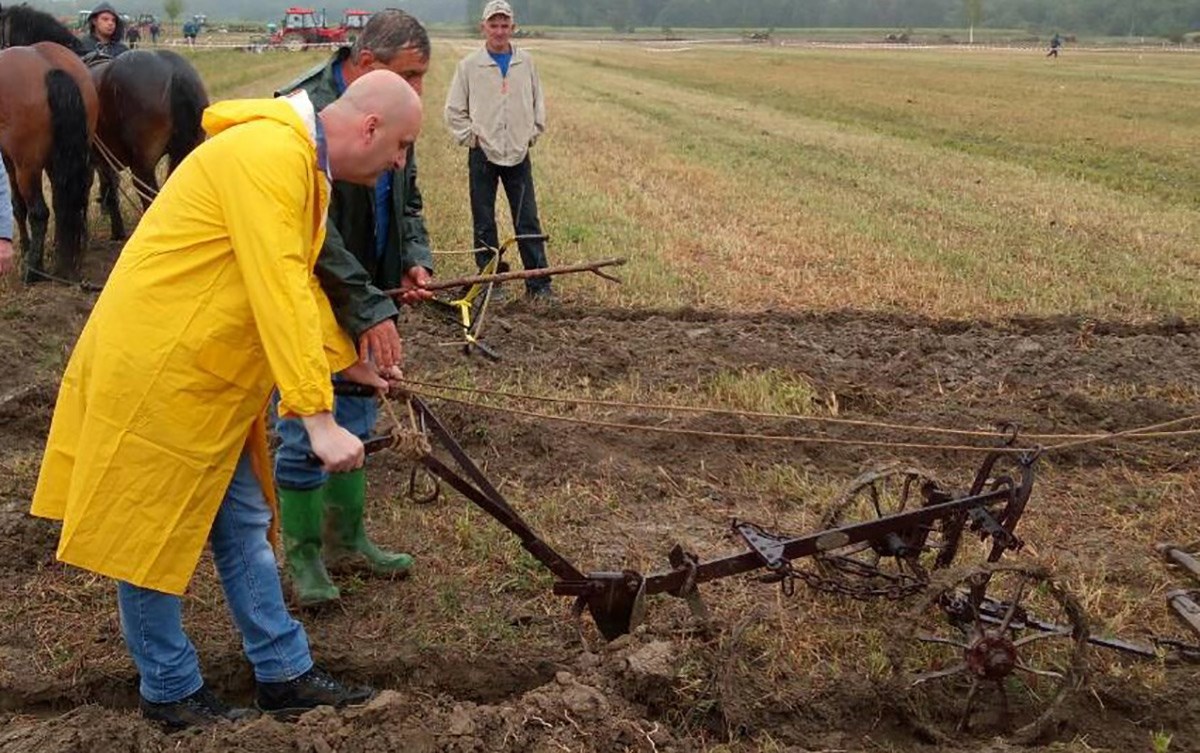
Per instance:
{"type": "Point", "coordinates": [947, 182]}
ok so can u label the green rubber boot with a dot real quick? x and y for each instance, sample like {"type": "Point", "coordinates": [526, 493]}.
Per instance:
{"type": "Point", "coordinates": [301, 513]}
{"type": "Point", "coordinates": [345, 535]}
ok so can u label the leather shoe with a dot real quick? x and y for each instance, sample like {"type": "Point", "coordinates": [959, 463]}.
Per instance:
{"type": "Point", "coordinates": [312, 689]}
{"type": "Point", "coordinates": [197, 710]}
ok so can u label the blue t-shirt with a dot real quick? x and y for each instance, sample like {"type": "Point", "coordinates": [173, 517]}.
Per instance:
{"type": "Point", "coordinates": [383, 186]}
{"type": "Point", "coordinates": [502, 59]}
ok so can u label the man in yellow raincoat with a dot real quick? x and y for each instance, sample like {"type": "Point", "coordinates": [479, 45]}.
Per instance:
{"type": "Point", "coordinates": [158, 434]}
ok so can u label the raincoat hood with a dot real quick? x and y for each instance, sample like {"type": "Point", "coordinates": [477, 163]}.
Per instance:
{"type": "Point", "coordinates": [106, 7]}
{"type": "Point", "coordinates": [295, 111]}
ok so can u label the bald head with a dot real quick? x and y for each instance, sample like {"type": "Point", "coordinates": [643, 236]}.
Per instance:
{"type": "Point", "coordinates": [371, 126]}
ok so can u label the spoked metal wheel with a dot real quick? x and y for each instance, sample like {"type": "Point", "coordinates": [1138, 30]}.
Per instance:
{"type": "Point", "coordinates": [990, 650]}
{"type": "Point", "coordinates": [904, 558]}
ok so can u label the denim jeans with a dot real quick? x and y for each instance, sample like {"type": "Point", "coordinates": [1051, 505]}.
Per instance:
{"type": "Point", "coordinates": [292, 470]}
{"type": "Point", "coordinates": [522, 202]}
{"type": "Point", "coordinates": [275, 644]}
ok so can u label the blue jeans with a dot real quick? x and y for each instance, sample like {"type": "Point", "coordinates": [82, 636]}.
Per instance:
{"type": "Point", "coordinates": [522, 202]}
{"type": "Point", "coordinates": [275, 644]}
{"type": "Point", "coordinates": [292, 469]}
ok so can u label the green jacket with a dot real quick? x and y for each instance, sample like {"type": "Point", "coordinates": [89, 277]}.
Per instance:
{"type": "Point", "coordinates": [349, 272]}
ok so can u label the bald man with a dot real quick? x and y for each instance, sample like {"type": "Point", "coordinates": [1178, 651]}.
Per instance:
{"type": "Point", "coordinates": [158, 442]}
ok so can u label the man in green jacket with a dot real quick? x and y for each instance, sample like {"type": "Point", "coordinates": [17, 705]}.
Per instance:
{"type": "Point", "coordinates": [376, 240]}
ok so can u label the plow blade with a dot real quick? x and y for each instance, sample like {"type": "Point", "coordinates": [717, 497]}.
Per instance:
{"type": "Point", "coordinates": [616, 600]}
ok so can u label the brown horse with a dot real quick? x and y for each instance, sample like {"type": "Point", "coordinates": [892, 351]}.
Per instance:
{"type": "Point", "coordinates": [151, 103]}
{"type": "Point", "coordinates": [48, 112]}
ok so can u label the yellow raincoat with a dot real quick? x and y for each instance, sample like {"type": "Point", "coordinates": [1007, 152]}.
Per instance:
{"type": "Point", "coordinates": [212, 303]}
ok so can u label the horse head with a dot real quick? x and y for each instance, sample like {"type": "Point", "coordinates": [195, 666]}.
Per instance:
{"type": "Point", "coordinates": [21, 25]}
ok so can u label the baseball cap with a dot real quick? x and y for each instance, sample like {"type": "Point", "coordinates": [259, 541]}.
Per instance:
{"type": "Point", "coordinates": [497, 8]}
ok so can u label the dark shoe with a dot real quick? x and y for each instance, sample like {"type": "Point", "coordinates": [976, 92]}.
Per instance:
{"type": "Point", "coordinates": [542, 296]}
{"type": "Point", "coordinates": [499, 293]}
{"type": "Point", "coordinates": [197, 710]}
{"type": "Point", "coordinates": [312, 689]}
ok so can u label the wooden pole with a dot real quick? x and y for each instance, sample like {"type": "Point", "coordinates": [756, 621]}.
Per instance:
{"type": "Point", "coordinates": [522, 274]}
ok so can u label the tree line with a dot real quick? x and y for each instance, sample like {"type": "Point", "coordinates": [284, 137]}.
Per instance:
{"type": "Point", "coordinates": [1171, 18]}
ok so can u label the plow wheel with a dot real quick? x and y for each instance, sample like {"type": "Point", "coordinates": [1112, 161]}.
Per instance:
{"type": "Point", "coordinates": [989, 650]}
{"type": "Point", "coordinates": [902, 560]}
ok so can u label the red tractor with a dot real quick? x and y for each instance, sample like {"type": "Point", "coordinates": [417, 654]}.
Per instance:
{"type": "Point", "coordinates": [302, 27]}
{"type": "Point", "coordinates": [354, 21]}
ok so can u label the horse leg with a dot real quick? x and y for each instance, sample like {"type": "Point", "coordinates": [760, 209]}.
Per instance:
{"type": "Point", "coordinates": [110, 199]}
{"type": "Point", "coordinates": [147, 182]}
{"type": "Point", "coordinates": [30, 205]}
{"type": "Point", "coordinates": [20, 210]}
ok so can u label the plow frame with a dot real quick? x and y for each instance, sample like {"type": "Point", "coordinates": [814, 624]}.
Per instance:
{"type": "Point", "coordinates": [615, 599]}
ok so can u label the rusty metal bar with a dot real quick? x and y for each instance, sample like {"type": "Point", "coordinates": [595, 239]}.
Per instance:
{"type": "Point", "coordinates": [487, 497]}
{"type": "Point", "coordinates": [806, 546]}
{"type": "Point", "coordinates": [1183, 602]}
{"type": "Point", "coordinates": [1175, 553]}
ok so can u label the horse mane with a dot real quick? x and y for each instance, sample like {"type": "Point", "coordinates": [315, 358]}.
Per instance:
{"type": "Point", "coordinates": [27, 26]}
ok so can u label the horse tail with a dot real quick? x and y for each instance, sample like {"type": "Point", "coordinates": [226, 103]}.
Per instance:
{"type": "Point", "coordinates": [70, 164]}
{"type": "Point", "coordinates": [188, 100]}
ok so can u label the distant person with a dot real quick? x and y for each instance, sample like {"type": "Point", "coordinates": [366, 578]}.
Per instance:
{"type": "Point", "coordinates": [190, 30]}
{"type": "Point", "coordinates": [154, 30]}
{"type": "Point", "coordinates": [7, 261]}
{"type": "Point", "coordinates": [495, 109]}
{"type": "Point", "coordinates": [106, 30]}
{"type": "Point", "coordinates": [1055, 43]}
{"type": "Point", "coordinates": [133, 36]}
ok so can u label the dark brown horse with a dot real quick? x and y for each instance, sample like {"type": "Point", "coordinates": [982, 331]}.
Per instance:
{"type": "Point", "coordinates": [151, 103]}
{"type": "Point", "coordinates": [48, 112]}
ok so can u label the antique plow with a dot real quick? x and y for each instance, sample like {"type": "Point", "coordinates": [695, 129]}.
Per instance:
{"type": "Point", "coordinates": [615, 599]}
{"type": "Point", "coordinates": [990, 648]}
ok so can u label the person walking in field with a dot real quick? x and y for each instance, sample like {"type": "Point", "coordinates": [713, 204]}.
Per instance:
{"type": "Point", "coordinates": [1055, 44]}
{"type": "Point", "coordinates": [158, 444]}
{"type": "Point", "coordinates": [495, 108]}
{"type": "Point", "coordinates": [376, 241]}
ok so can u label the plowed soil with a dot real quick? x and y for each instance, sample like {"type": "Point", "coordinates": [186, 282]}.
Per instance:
{"type": "Point", "coordinates": [472, 653]}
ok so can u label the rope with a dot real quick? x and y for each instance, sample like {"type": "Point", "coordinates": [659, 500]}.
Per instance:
{"type": "Point", "coordinates": [410, 442]}
{"type": "Point", "coordinates": [1127, 432]}
{"type": "Point", "coordinates": [144, 191]}
{"type": "Point", "coordinates": [724, 434]}
{"type": "Point", "coordinates": [660, 407]}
